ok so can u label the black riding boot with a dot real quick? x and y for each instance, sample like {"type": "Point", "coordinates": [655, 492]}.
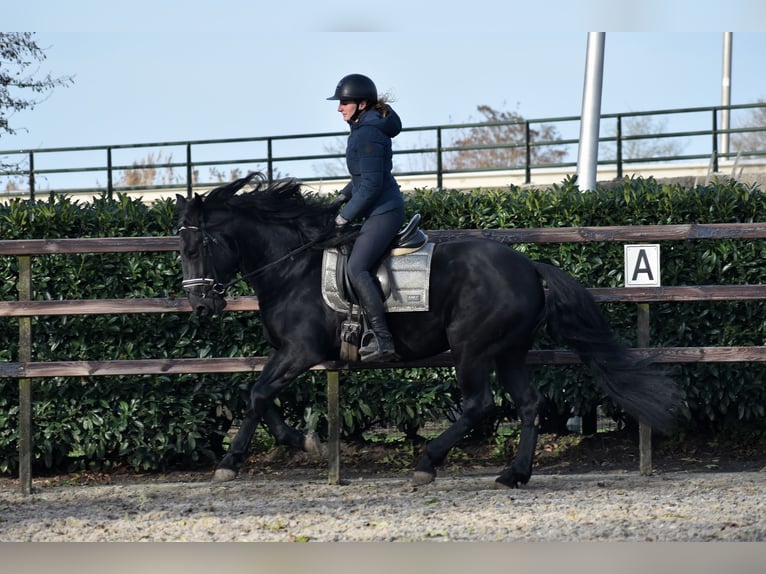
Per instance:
{"type": "Point", "coordinates": [377, 343]}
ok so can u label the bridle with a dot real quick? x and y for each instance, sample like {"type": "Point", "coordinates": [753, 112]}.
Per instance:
{"type": "Point", "coordinates": [208, 284]}
{"type": "Point", "coordinates": [216, 287]}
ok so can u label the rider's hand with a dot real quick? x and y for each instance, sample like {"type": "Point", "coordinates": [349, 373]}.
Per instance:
{"type": "Point", "coordinates": [340, 222]}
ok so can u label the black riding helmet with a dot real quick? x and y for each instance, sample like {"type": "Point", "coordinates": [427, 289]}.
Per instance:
{"type": "Point", "coordinates": [356, 87]}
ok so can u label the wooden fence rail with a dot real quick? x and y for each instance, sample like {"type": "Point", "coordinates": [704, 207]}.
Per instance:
{"type": "Point", "coordinates": [26, 369]}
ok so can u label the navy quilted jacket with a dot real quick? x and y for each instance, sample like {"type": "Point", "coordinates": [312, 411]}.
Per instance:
{"type": "Point", "coordinates": [372, 189]}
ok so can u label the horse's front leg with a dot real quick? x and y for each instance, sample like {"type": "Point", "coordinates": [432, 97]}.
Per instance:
{"type": "Point", "coordinates": [280, 370]}
{"type": "Point", "coordinates": [286, 435]}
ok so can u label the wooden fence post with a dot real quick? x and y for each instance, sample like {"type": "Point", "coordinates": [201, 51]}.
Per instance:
{"type": "Point", "coordinates": [333, 427]}
{"type": "Point", "coordinates": [644, 430]}
{"type": "Point", "coordinates": [25, 385]}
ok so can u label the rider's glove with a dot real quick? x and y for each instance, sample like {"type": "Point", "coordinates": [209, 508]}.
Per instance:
{"type": "Point", "coordinates": [340, 222]}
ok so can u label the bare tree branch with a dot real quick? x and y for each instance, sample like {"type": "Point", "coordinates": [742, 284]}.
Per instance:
{"type": "Point", "coordinates": [21, 86]}
{"type": "Point", "coordinates": [503, 129]}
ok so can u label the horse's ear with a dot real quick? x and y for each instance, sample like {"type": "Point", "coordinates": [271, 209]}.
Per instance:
{"type": "Point", "coordinates": [180, 205]}
{"type": "Point", "coordinates": [185, 207]}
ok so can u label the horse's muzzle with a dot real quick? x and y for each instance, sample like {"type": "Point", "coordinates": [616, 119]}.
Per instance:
{"type": "Point", "coordinates": [208, 304]}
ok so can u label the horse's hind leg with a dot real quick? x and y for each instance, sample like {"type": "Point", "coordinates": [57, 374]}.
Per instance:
{"type": "Point", "coordinates": [514, 377]}
{"type": "Point", "coordinates": [477, 403]}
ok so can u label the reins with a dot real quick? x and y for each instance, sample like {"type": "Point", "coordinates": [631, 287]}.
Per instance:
{"type": "Point", "coordinates": [220, 288]}
{"type": "Point", "coordinates": [289, 255]}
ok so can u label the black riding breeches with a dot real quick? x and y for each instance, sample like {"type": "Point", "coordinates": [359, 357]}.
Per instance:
{"type": "Point", "coordinates": [375, 237]}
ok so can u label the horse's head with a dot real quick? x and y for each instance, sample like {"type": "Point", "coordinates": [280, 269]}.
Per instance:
{"type": "Point", "coordinates": [255, 233]}
{"type": "Point", "coordinates": [209, 254]}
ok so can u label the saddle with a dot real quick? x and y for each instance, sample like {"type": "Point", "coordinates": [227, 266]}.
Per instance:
{"type": "Point", "coordinates": [409, 240]}
{"type": "Point", "coordinates": [403, 277]}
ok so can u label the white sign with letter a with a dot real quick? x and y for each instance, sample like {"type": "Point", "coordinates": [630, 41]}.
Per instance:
{"type": "Point", "coordinates": [642, 265]}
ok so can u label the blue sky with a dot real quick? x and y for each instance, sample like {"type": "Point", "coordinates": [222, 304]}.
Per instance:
{"type": "Point", "coordinates": [139, 87]}
{"type": "Point", "coordinates": [172, 71]}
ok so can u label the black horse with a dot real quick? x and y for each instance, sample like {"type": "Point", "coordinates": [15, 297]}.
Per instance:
{"type": "Point", "coordinates": [487, 302]}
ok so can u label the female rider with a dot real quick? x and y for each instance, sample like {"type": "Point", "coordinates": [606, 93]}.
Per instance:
{"type": "Point", "coordinates": [373, 196]}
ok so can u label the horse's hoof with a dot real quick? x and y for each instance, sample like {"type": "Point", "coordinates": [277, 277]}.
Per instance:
{"type": "Point", "coordinates": [419, 478]}
{"type": "Point", "coordinates": [313, 445]}
{"type": "Point", "coordinates": [510, 480]}
{"type": "Point", "coordinates": [502, 486]}
{"type": "Point", "coordinates": [224, 475]}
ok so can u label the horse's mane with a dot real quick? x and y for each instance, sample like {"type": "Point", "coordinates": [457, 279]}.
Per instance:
{"type": "Point", "coordinates": [281, 201]}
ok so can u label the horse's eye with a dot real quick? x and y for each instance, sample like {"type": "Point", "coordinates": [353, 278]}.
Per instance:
{"type": "Point", "coordinates": [190, 252]}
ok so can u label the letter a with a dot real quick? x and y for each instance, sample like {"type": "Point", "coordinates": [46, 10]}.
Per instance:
{"type": "Point", "coordinates": [642, 266]}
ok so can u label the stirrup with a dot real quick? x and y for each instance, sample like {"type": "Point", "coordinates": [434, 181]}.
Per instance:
{"type": "Point", "coordinates": [372, 349]}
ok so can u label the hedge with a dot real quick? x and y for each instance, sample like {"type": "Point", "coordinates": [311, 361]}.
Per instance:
{"type": "Point", "coordinates": [154, 422]}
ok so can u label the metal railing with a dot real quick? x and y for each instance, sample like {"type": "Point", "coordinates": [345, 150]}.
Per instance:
{"type": "Point", "coordinates": [628, 139]}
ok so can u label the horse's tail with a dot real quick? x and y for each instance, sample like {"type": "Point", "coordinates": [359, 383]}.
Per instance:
{"type": "Point", "coordinates": [574, 318]}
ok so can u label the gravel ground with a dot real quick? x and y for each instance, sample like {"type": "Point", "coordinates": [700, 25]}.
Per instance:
{"type": "Point", "coordinates": [596, 506]}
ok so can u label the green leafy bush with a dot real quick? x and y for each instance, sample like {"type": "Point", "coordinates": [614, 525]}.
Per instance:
{"type": "Point", "coordinates": [154, 422]}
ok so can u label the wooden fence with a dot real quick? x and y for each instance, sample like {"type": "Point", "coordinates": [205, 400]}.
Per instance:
{"type": "Point", "coordinates": [27, 369]}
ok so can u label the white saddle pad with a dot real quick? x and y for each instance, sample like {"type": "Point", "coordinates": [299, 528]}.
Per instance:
{"type": "Point", "coordinates": [404, 279]}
